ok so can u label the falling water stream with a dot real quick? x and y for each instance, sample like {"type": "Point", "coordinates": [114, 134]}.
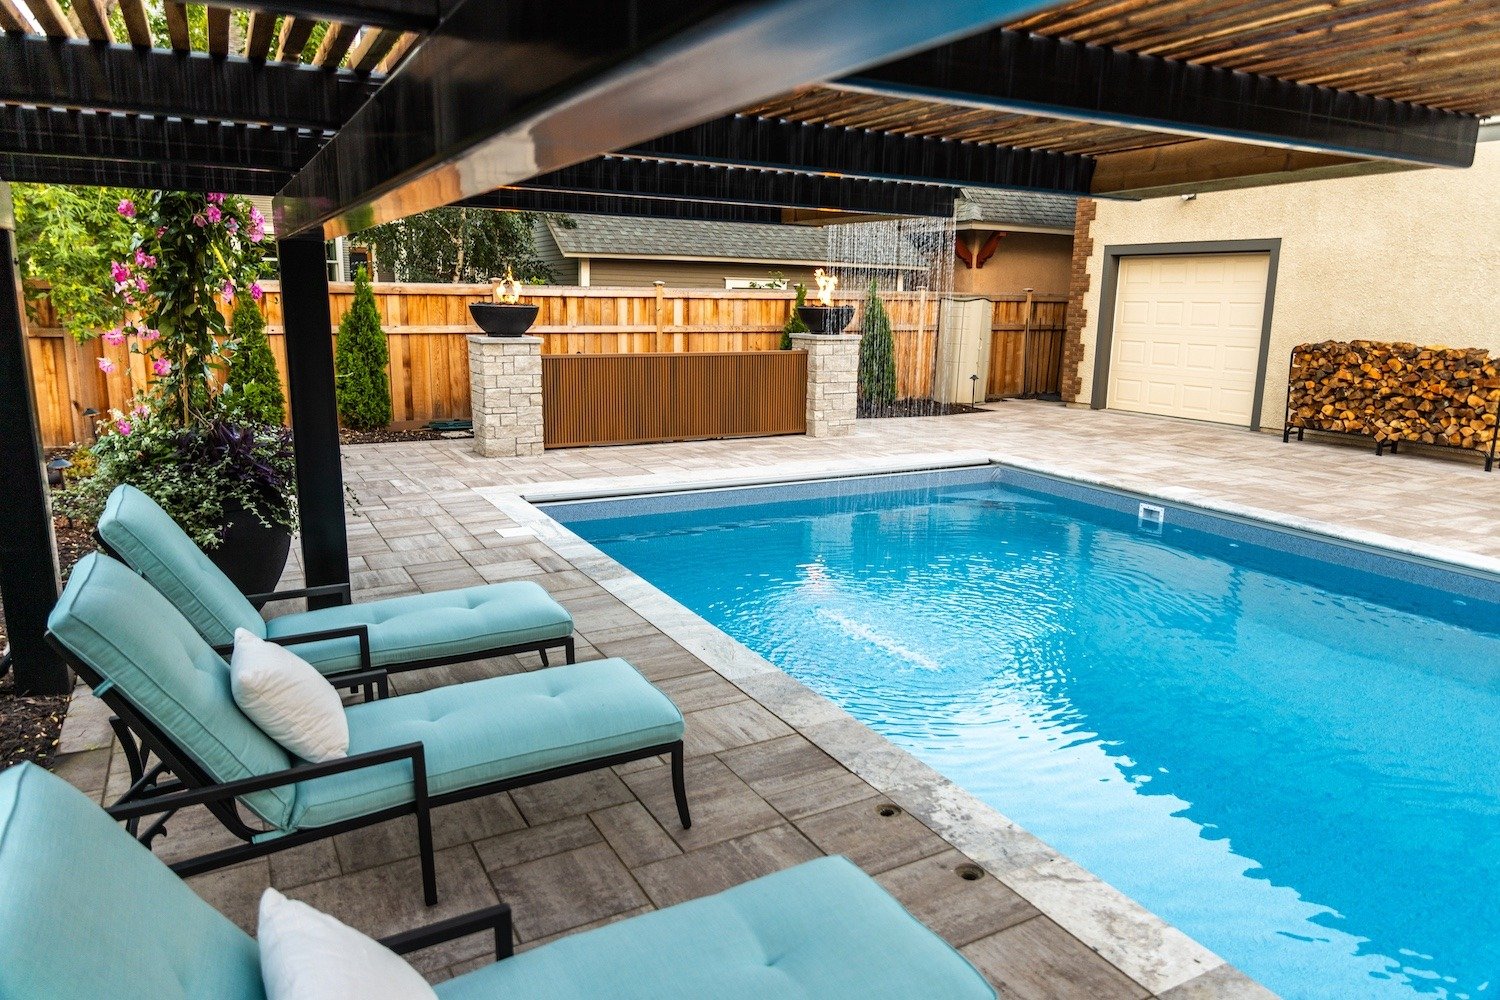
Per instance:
{"type": "Point", "coordinates": [911, 263]}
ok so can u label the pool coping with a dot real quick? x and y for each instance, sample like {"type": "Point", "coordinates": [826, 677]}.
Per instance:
{"type": "Point", "coordinates": [1153, 953]}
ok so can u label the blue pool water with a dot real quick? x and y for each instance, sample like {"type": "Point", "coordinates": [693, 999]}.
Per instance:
{"type": "Point", "coordinates": [1289, 749]}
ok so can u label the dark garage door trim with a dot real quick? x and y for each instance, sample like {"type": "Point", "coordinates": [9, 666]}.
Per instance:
{"type": "Point", "coordinates": [1104, 342]}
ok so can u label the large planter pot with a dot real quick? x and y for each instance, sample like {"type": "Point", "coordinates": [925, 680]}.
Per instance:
{"type": "Point", "coordinates": [826, 319]}
{"type": "Point", "coordinates": [503, 319]}
{"type": "Point", "coordinates": [252, 555]}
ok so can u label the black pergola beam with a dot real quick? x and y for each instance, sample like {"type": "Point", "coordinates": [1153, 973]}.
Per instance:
{"type": "Point", "coordinates": [822, 149]}
{"type": "Point", "coordinates": [1015, 72]}
{"type": "Point", "coordinates": [136, 174]}
{"type": "Point", "coordinates": [71, 73]}
{"type": "Point", "coordinates": [501, 92]}
{"type": "Point", "coordinates": [54, 132]}
{"type": "Point", "coordinates": [622, 176]}
{"type": "Point", "coordinates": [573, 203]}
{"type": "Point", "coordinates": [408, 15]}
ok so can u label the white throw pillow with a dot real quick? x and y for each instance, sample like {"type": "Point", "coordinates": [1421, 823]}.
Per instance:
{"type": "Point", "coordinates": [287, 698]}
{"type": "Point", "coordinates": [307, 955]}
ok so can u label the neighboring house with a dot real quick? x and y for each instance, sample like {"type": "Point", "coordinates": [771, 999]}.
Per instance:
{"type": "Point", "coordinates": [342, 257]}
{"type": "Point", "coordinates": [1189, 306]}
{"type": "Point", "coordinates": [1006, 242]}
{"type": "Point", "coordinates": [1009, 241]}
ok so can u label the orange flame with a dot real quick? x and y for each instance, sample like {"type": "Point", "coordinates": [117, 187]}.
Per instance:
{"type": "Point", "coordinates": [509, 289]}
{"type": "Point", "coordinates": [826, 284]}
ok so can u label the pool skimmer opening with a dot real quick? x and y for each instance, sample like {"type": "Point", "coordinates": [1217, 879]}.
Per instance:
{"type": "Point", "coordinates": [888, 809]}
{"type": "Point", "coordinates": [969, 873]}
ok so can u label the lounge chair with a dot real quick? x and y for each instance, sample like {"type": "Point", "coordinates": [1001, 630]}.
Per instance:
{"type": "Point", "coordinates": [93, 914]}
{"type": "Point", "coordinates": [407, 754]}
{"type": "Point", "coordinates": [399, 633]}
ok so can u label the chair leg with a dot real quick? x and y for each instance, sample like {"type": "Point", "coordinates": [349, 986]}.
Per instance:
{"type": "Point", "coordinates": [424, 848]}
{"type": "Point", "coordinates": [679, 787]}
{"type": "Point", "coordinates": [542, 652]}
{"type": "Point", "coordinates": [571, 649]}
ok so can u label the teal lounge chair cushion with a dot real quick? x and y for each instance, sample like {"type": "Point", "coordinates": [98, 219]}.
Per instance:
{"type": "Point", "coordinates": [130, 635]}
{"type": "Point", "coordinates": [488, 730]}
{"type": "Point", "coordinates": [151, 543]}
{"type": "Point", "coordinates": [448, 624]}
{"type": "Point", "coordinates": [821, 930]}
{"type": "Point", "coordinates": [88, 912]}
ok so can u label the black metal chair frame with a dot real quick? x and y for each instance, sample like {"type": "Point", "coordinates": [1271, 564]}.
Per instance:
{"type": "Point", "coordinates": [343, 592]}
{"type": "Point", "coordinates": [149, 795]}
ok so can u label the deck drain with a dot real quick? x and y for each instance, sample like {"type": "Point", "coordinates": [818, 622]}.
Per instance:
{"type": "Point", "coordinates": [887, 809]}
{"type": "Point", "coordinates": [969, 873]}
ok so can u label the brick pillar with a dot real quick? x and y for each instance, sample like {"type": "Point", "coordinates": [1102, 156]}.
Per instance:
{"type": "Point", "coordinates": [1078, 285]}
{"type": "Point", "coordinates": [505, 392]}
{"type": "Point", "coordinates": [832, 387]}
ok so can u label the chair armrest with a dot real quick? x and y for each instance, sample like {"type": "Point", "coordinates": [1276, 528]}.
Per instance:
{"type": "Point", "coordinates": [496, 918]}
{"type": "Point", "coordinates": [325, 590]}
{"type": "Point", "coordinates": [173, 801]}
{"type": "Point", "coordinates": [360, 632]}
{"type": "Point", "coordinates": [376, 682]}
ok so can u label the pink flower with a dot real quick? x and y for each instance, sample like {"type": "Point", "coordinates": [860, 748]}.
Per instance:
{"type": "Point", "coordinates": [115, 337]}
{"type": "Point", "coordinates": [123, 426]}
{"type": "Point", "coordinates": [228, 291]}
{"type": "Point", "coordinates": [213, 213]}
{"type": "Point", "coordinates": [161, 231]}
{"type": "Point", "coordinates": [150, 335]}
{"type": "Point", "coordinates": [118, 272]}
{"type": "Point", "coordinates": [216, 199]}
{"type": "Point", "coordinates": [106, 366]}
{"type": "Point", "coordinates": [161, 366]}
{"type": "Point", "coordinates": [255, 291]}
{"type": "Point", "coordinates": [126, 207]}
{"type": "Point", "coordinates": [141, 285]}
{"type": "Point", "coordinates": [144, 259]}
{"type": "Point", "coordinates": [141, 410]}
{"type": "Point", "coordinates": [232, 225]}
{"type": "Point", "coordinates": [199, 220]}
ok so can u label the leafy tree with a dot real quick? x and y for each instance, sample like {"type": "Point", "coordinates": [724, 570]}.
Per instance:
{"type": "Point", "coordinates": [458, 244]}
{"type": "Point", "coordinates": [794, 322]}
{"type": "Point", "coordinates": [252, 389]}
{"type": "Point", "coordinates": [66, 237]}
{"type": "Point", "coordinates": [877, 355]}
{"type": "Point", "coordinates": [364, 387]}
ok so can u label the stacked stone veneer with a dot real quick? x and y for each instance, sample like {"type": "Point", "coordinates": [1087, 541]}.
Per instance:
{"type": "Point", "coordinates": [1071, 385]}
{"type": "Point", "coordinates": [505, 391]}
{"type": "Point", "coordinates": [832, 388]}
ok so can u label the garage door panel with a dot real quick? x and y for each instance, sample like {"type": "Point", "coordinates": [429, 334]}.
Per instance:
{"type": "Point", "coordinates": [1187, 335]}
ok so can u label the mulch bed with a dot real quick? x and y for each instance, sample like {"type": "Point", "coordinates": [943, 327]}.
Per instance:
{"type": "Point", "coordinates": [918, 408]}
{"type": "Point", "coordinates": [387, 436]}
{"type": "Point", "coordinates": [30, 726]}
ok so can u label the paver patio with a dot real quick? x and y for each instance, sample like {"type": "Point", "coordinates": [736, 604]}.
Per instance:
{"type": "Point", "coordinates": [584, 851]}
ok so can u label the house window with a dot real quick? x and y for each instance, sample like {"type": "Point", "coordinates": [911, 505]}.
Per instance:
{"type": "Point", "coordinates": [767, 282]}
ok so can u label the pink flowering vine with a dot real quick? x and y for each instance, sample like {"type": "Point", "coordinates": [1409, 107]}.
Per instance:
{"type": "Point", "coordinates": [123, 426]}
{"type": "Point", "coordinates": [106, 366]}
{"type": "Point", "coordinates": [161, 366]}
{"type": "Point", "coordinates": [114, 337]}
{"type": "Point", "coordinates": [214, 214]}
{"type": "Point", "coordinates": [228, 291]}
{"type": "Point", "coordinates": [255, 291]}
{"type": "Point", "coordinates": [150, 335]}
{"type": "Point", "coordinates": [126, 207]}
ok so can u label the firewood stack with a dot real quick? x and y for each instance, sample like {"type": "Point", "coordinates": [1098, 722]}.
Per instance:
{"type": "Point", "coordinates": [1396, 392]}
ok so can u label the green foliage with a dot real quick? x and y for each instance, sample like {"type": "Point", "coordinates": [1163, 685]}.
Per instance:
{"type": "Point", "coordinates": [66, 237]}
{"type": "Point", "coordinates": [364, 387]}
{"type": "Point", "coordinates": [195, 473]}
{"type": "Point", "coordinates": [794, 322]}
{"type": "Point", "coordinates": [877, 355]}
{"type": "Point", "coordinates": [252, 388]}
{"type": "Point", "coordinates": [457, 245]}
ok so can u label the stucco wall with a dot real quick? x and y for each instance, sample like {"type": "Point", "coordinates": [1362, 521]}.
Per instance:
{"type": "Point", "coordinates": [1039, 261]}
{"type": "Point", "coordinates": [1411, 256]}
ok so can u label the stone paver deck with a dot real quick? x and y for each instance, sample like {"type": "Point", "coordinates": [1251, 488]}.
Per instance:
{"type": "Point", "coordinates": [765, 793]}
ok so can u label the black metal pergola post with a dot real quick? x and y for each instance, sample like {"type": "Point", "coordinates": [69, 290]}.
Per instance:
{"type": "Point", "coordinates": [28, 553]}
{"type": "Point", "coordinates": [315, 420]}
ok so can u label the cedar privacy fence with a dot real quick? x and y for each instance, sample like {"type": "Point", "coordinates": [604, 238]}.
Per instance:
{"type": "Point", "coordinates": [426, 326]}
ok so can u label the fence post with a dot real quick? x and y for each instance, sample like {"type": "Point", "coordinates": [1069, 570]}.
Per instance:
{"type": "Point", "coordinates": [1028, 382]}
{"type": "Point", "coordinates": [661, 291]}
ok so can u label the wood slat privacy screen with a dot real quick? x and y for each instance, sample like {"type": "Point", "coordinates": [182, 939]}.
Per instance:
{"type": "Point", "coordinates": [635, 398]}
{"type": "Point", "coordinates": [426, 326]}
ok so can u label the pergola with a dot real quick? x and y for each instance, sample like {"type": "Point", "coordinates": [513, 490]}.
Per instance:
{"type": "Point", "coordinates": [758, 110]}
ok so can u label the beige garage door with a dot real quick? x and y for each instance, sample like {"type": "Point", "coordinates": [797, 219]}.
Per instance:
{"type": "Point", "coordinates": [1187, 335]}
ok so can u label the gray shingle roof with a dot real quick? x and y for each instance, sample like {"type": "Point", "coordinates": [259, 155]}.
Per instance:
{"type": "Point", "coordinates": [596, 235]}
{"type": "Point", "coordinates": [1019, 208]}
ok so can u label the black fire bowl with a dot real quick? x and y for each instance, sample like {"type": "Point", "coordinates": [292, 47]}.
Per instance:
{"type": "Point", "coordinates": [503, 319]}
{"type": "Point", "coordinates": [826, 319]}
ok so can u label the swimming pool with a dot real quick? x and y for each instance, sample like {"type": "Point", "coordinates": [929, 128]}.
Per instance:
{"type": "Point", "coordinates": [1288, 748]}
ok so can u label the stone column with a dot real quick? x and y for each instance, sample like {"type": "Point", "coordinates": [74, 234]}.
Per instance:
{"type": "Point", "coordinates": [505, 393]}
{"type": "Point", "coordinates": [832, 388]}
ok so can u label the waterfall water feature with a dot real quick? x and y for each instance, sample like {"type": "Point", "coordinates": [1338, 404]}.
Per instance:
{"type": "Point", "coordinates": [911, 263]}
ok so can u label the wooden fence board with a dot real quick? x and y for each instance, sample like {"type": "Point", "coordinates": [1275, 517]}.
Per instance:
{"type": "Point", "coordinates": [426, 326]}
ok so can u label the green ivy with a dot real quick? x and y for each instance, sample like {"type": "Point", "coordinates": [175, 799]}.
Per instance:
{"type": "Point", "coordinates": [66, 238]}
{"type": "Point", "coordinates": [364, 387]}
{"type": "Point", "coordinates": [252, 389]}
{"type": "Point", "coordinates": [794, 322]}
{"type": "Point", "coordinates": [877, 355]}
